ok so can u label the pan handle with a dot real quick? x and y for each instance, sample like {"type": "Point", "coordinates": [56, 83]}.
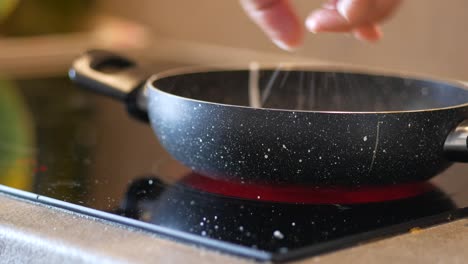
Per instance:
{"type": "Point", "coordinates": [112, 75]}
{"type": "Point", "coordinates": [456, 144]}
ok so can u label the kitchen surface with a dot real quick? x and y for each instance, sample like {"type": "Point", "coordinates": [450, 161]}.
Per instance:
{"type": "Point", "coordinates": [82, 181]}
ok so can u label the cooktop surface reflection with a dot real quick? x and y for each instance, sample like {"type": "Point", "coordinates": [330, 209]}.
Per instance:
{"type": "Point", "coordinates": [79, 151]}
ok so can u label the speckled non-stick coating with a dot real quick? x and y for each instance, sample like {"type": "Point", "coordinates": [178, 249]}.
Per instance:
{"type": "Point", "coordinates": [304, 147]}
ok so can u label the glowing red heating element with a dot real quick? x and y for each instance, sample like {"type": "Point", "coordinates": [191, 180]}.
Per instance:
{"type": "Point", "coordinates": [306, 194]}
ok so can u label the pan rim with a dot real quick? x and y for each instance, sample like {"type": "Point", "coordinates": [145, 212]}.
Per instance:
{"type": "Point", "coordinates": [344, 68]}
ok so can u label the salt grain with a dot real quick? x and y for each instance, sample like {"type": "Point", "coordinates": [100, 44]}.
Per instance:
{"type": "Point", "coordinates": [277, 234]}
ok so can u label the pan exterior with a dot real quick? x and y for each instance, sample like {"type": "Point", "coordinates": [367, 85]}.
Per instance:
{"type": "Point", "coordinates": [318, 148]}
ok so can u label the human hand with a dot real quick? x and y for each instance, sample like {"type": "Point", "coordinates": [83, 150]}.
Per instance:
{"type": "Point", "coordinates": [281, 23]}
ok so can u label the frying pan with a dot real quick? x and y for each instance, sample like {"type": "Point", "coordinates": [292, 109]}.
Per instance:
{"type": "Point", "coordinates": [292, 125]}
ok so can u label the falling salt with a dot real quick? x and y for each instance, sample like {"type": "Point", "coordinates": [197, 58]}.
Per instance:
{"type": "Point", "coordinates": [200, 140]}
{"type": "Point", "coordinates": [277, 234]}
{"type": "Point", "coordinates": [284, 147]}
{"type": "Point", "coordinates": [320, 157]}
{"type": "Point", "coordinates": [150, 182]}
{"type": "Point", "coordinates": [300, 160]}
{"type": "Point", "coordinates": [293, 224]}
{"type": "Point", "coordinates": [364, 138]}
{"type": "Point", "coordinates": [266, 156]}
{"type": "Point", "coordinates": [268, 150]}
{"type": "Point", "coordinates": [203, 233]}
{"type": "Point", "coordinates": [215, 217]}
{"type": "Point", "coordinates": [241, 228]}
{"type": "Point", "coordinates": [258, 197]}
{"type": "Point", "coordinates": [308, 150]}
{"type": "Point", "coordinates": [202, 224]}
{"type": "Point", "coordinates": [216, 227]}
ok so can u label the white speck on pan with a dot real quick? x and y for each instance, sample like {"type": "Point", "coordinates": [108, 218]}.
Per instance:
{"type": "Point", "coordinates": [277, 234]}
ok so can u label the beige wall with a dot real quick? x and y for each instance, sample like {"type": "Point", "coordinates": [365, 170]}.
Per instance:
{"type": "Point", "coordinates": [428, 36]}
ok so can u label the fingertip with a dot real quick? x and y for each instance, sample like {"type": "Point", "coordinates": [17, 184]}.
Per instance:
{"type": "Point", "coordinates": [362, 12]}
{"type": "Point", "coordinates": [278, 20]}
{"type": "Point", "coordinates": [312, 25]}
{"type": "Point", "coordinates": [356, 12]}
{"type": "Point", "coordinates": [331, 5]}
{"type": "Point", "coordinates": [368, 33]}
{"type": "Point", "coordinates": [285, 46]}
{"type": "Point", "coordinates": [326, 20]}
{"type": "Point", "coordinates": [343, 7]}
{"type": "Point", "coordinates": [292, 42]}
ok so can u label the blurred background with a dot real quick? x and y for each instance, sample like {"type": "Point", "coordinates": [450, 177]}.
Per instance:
{"type": "Point", "coordinates": [52, 132]}
{"type": "Point", "coordinates": [426, 36]}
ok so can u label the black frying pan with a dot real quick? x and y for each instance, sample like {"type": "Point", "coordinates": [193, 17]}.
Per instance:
{"type": "Point", "coordinates": [307, 126]}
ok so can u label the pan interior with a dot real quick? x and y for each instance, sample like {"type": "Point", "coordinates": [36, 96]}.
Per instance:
{"type": "Point", "coordinates": [313, 90]}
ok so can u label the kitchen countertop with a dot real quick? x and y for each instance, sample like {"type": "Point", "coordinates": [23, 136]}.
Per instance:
{"type": "Point", "coordinates": [36, 233]}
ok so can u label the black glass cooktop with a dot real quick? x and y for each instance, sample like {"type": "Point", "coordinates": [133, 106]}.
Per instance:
{"type": "Point", "coordinates": [72, 149]}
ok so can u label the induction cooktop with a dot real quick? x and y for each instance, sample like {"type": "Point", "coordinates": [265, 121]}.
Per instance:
{"type": "Point", "coordinates": [69, 148]}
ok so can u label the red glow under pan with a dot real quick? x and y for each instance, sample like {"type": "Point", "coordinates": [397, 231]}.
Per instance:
{"type": "Point", "coordinates": [306, 194]}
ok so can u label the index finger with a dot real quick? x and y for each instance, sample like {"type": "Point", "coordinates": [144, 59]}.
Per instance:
{"type": "Point", "coordinates": [277, 19]}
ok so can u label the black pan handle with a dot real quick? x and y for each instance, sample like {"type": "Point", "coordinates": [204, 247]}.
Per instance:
{"type": "Point", "coordinates": [456, 144]}
{"type": "Point", "coordinates": [112, 75]}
